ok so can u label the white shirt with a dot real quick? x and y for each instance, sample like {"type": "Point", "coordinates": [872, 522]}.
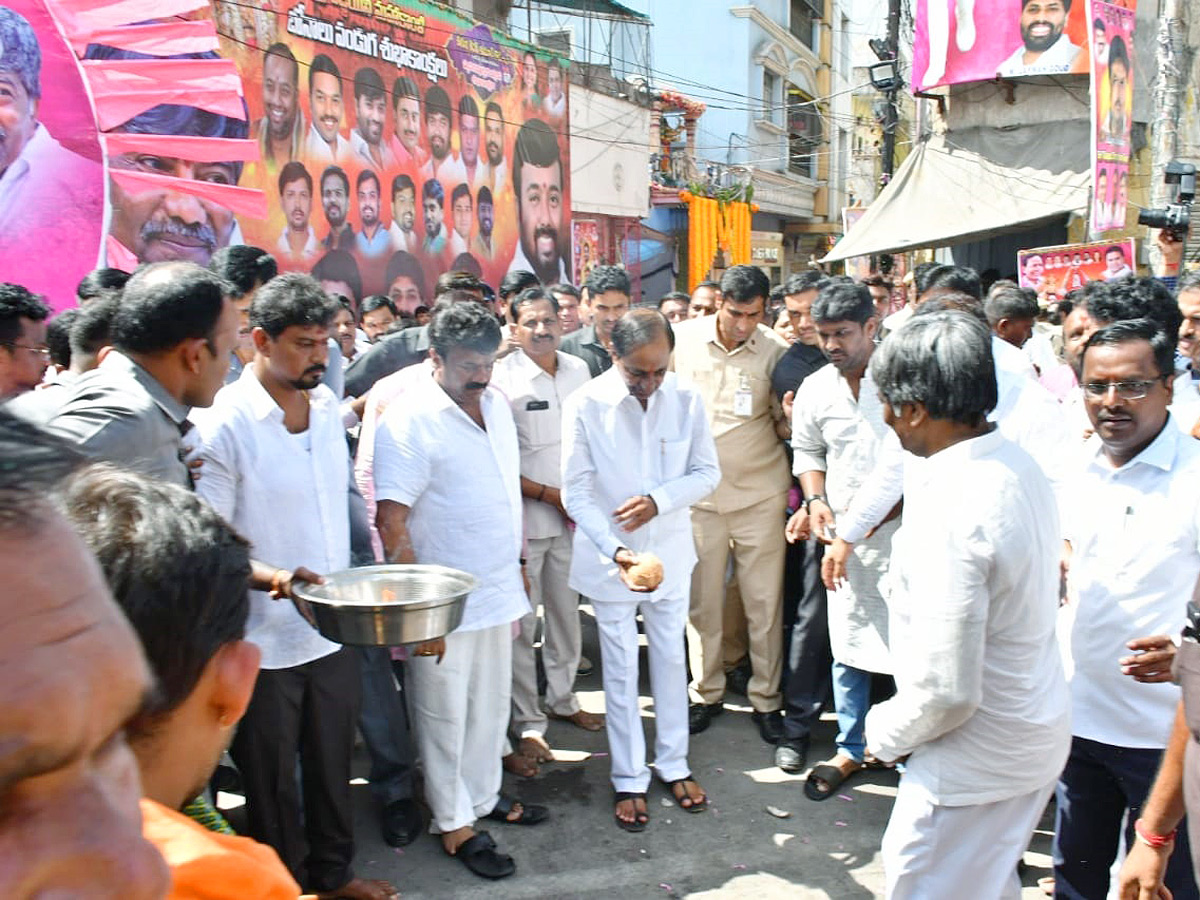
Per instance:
{"type": "Point", "coordinates": [449, 171]}
{"type": "Point", "coordinates": [403, 240]}
{"type": "Point", "coordinates": [1059, 58]}
{"type": "Point", "coordinates": [494, 176]}
{"type": "Point", "coordinates": [457, 243]}
{"type": "Point", "coordinates": [319, 153]}
{"type": "Point", "coordinates": [290, 502]}
{"type": "Point", "coordinates": [362, 152]}
{"type": "Point", "coordinates": [1026, 413]}
{"type": "Point", "coordinates": [463, 487]}
{"type": "Point", "coordinates": [536, 398]}
{"type": "Point", "coordinates": [520, 263]}
{"type": "Point", "coordinates": [1135, 541]}
{"type": "Point", "coordinates": [312, 246]}
{"type": "Point", "coordinates": [980, 703]}
{"type": "Point", "coordinates": [898, 318]}
{"type": "Point", "coordinates": [614, 450]}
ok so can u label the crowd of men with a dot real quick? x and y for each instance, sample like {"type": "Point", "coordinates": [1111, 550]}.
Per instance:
{"type": "Point", "coordinates": [971, 523]}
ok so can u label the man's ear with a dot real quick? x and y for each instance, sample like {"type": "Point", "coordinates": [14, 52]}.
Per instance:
{"type": "Point", "coordinates": [232, 672]}
{"type": "Point", "coordinates": [262, 341]}
{"type": "Point", "coordinates": [191, 353]}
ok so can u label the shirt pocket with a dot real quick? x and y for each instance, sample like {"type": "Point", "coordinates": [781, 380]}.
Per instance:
{"type": "Point", "coordinates": [543, 427]}
{"type": "Point", "coordinates": [674, 458]}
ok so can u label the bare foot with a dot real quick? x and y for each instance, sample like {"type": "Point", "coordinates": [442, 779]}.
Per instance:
{"type": "Point", "coordinates": [362, 889]}
{"type": "Point", "coordinates": [520, 765]}
{"type": "Point", "coordinates": [534, 747]}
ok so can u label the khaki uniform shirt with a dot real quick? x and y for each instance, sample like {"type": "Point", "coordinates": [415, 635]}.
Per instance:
{"type": "Point", "coordinates": [754, 465]}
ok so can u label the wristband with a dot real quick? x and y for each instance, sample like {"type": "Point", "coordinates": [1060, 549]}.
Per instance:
{"type": "Point", "coordinates": [1153, 841]}
{"type": "Point", "coordinates": [808, 501]}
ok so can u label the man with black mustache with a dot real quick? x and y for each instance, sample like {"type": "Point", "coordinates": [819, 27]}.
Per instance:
{"type": "Point", "coordinates": [281, 130]}
{"type": "Point", "coordinates": [1133, 533]}
{"type": "Point", "coordinates": [538, 182]}
{"type": "Point", "coordinates": [494, 173]}
{"type": "Point", "coordinates": [277, 468]}
{"type": "Point", "coordinates": [325, 145]}
{"type": "Point", "coordinates": [370, 112]}
{"type": "Point", "coordinates": [1045, 48]}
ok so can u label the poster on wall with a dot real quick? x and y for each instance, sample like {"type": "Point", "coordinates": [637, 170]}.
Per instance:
{"type": "Point", "coordinates": [400, 142]}
{"type": "Point", "coordinates": [586, 244]}
{"type": "Point", "coordinates": [51, 177]}
{"type": "Point", "coordinates": [959, 41]}
{"type": "Point", "coordinates": [1053, 272]}
{"type": "Point", "coordinates": [1112, 102]}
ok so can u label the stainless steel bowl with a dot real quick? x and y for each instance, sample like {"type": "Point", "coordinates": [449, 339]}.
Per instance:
{"type": "Point", "coordinates": [382, 606]}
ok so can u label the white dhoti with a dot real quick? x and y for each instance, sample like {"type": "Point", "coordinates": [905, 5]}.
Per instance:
{"type": "Point", "coordinates": [460, 710]}
{"type": "Point", "coordinates": [935, 852]}
{"type": "Point", "coordinates": [664, 622]}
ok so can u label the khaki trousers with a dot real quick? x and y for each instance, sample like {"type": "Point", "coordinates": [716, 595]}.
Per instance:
{"type": "Point", "coordinates": [754, 536]}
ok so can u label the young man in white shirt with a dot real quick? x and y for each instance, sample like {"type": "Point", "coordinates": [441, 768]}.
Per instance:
{"type": "Point", "coordinates": [837, 428]}
{"type": "Point", "coordinates": [277, 468]}
{"type": "Point", "coordinates": [1132, 522]}
{"type": "Point", "coordinates": [980, 710]}
{"type": "Point", "coordinates": [447, 485]}
{"type": "Point", "coordinates": [637, 453]}
{"type": "Point", "coordinates": [537, 378]}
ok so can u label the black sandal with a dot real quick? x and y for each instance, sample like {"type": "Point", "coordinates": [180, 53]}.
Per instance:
{"type": "Point", "coordinates": [639, 818]}
{"type": "Point", "coordinates": [479, 855]}
{"type": "Point", "coordinates": [530, 815]}
{"type": "Point", "coordinates": [831, 777]}
{"type": "Point", "coordinates": [694, 806]}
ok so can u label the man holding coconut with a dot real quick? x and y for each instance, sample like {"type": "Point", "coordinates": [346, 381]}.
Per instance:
{"type": "Point", "coordinates": [637, 453]}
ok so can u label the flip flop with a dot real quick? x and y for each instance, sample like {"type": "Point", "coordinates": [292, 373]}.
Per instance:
{"type": "Point", "coordinates": [640, 818]}
{"type": "Point", "coordinates": [479, 855]}
{"type": "Point", "coordinates": [832, 777]}
{"type": "Point", "coordinates": [530, 815]}
{"type": "Point", "coordinates": [696, 806]}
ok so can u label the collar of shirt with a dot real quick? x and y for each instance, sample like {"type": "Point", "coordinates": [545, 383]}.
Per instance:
{"type": "Point", "coordinates": [263, 405]}
{"type": "Point", "coordinates": [1160, 453]}
{"type": "Point", "coordinates": [176, 411]}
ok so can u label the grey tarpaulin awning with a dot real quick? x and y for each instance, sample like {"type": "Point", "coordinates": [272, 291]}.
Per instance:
{"type": "Point", "coordinates": [952, 189]}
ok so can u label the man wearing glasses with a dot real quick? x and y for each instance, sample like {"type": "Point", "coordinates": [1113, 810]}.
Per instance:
{"type": "Point", "coordinates": [1131, 518]}
{"type": "Point", "coordinates": [23, 353]}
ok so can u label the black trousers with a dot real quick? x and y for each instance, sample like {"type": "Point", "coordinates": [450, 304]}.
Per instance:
{"type": "Point", "coordinates": [807, 657]}
{"type": "Point", "coordinates": [306, 712]}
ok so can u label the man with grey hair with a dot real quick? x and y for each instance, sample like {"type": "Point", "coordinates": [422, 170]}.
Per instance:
{"type": "Point", "coordinates": [42, 183]}
{"type": "Point", "coordinates": [637, 453]}
{"type": "Point", "coordinates": [837, 429]}
{"type": "Point", "coordinates": [981, 705]}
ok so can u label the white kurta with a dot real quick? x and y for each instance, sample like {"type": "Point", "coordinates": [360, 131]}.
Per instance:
{"type": "Point", "coordinates": [840, 436]}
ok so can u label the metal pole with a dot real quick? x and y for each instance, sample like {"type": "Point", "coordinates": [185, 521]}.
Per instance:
{"type": "Point", "coordinates": [891, 114]}
{"type": "Point", "coordinates": [1168, 90]}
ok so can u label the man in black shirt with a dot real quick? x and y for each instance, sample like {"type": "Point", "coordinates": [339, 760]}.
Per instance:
{"type": "Point", "coordinates": [609, 289]}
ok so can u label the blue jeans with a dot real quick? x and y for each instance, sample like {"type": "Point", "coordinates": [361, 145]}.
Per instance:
{"type": "Point", "coordinates": [383, 721]}
{"type": "Point", "coordinates": [851, 699]}
{"type": "Point", "coordinates": [1099, 784]}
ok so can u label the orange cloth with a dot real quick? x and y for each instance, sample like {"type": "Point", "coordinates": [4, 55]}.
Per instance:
{"type": "Point", "coordinates": [206, 865]}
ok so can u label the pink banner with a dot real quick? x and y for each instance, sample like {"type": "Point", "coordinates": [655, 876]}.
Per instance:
{"type": "Point", "coordinates": [78, 16]}
{"type": "Point", "coordinates": [51, 180]}
{"type": "Point", "coordinates": [126, 88]}
{"type": "Point", "coordinates": [1056, 271]}
{"type": "Point", "coordinates": [959, 41]}
{"type": "Point", "coordinates": [157, 39]}
{"type": "Point", "coordinates": [195, 149]}
{"type": "Point", "coordinates": [243, 201]}
{"type": "Point", "coordinates": [1112, 106]}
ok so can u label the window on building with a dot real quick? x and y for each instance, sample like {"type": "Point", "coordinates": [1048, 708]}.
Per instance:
{"type": "Point", "coordinates": [770, 96]}
{"type": "Point", "coordinates": [804, 132]}
{"type": "Point", "coordinates": [846, 52]}
{"type": "Point", "coordinates": [557, 41]}
{"type": "Point", "coordinates": [805, 14]}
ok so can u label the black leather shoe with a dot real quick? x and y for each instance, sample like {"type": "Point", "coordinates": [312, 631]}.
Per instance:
{"type": "Point", "coordinates": [737, 680]}
{"type": "Point", "coordinates": [402, 823]}
{"type": "Point", "coordinates": [700, 715]}
{"type": "Point", "coordinates": [792, 755]}
{"type": "Point", "coordinates": [770, 726]}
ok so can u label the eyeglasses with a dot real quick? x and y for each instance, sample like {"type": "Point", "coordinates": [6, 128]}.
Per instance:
{"type": "Point", "coordinates": [1126, 390]}
{"type": "Point", "coordinates": [43, 352]}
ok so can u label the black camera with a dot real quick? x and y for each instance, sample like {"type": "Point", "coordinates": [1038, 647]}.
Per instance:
{"type": "Point", "coordinates": [1177, 215]}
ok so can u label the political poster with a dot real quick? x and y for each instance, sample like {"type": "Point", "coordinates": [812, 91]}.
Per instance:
{"type": "Point", "coordinates": [373, 144]}
{"type": "Point", "coordinates": [1053, 272]}
{"type": "Point", "coordinates": [959, 41]}
{"type": "Point", "coordinates": [1112, 104]}
{"type": "Point", "coordinates": [51, 177]}
{"type": "Point", "coordinates": [587, 248]}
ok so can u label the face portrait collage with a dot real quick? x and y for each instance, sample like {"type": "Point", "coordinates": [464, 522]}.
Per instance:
{"type": "Point", "coordinates": [389, 150]}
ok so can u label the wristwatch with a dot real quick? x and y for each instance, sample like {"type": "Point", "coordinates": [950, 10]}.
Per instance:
{"type": "Point", "coordinates": [808, 501]}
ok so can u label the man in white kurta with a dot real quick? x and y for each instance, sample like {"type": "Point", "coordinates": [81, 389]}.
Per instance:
{"type": "Point", "coordinates": [447, 485]}
{"type": "Point", "coordinates": [837, 428]}
{"type": "Point", "coordinates": [637, 453]}
{"type": "Point", "coordinates": [537, 378]}
{"type": "Point", "coordinates": [981, 709]}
